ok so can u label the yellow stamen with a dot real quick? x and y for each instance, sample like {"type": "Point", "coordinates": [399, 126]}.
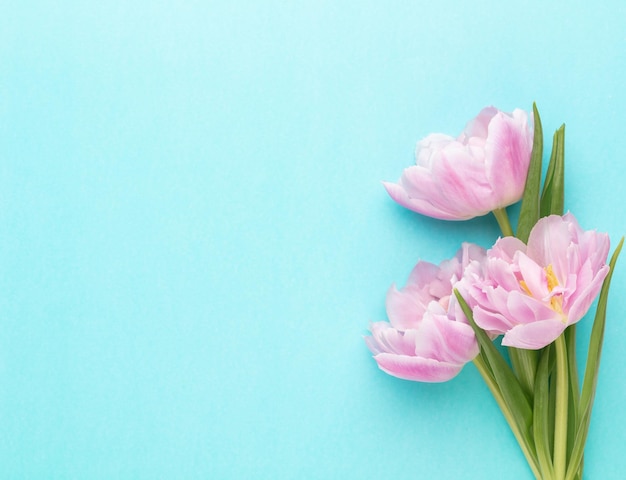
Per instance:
{"type": "Point", "coordinates": [551, 278]}
{"type": "Point", "coordinates": [556, 301]}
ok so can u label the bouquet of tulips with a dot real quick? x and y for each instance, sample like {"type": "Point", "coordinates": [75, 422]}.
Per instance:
{"type": "Point", "coordinates": [531, 287]}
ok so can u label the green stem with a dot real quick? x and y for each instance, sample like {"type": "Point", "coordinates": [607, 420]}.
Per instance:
{"type": "Point", "coordinates": [560, 420]}
{"type": "Point", "coordinates": [497, 395]}
{"type": "Point", "coordinates": [574, 388]}
{"type": "Point", "coordinates": [503, 221]}
{"type": "Point", "coordinates": [525, 366]}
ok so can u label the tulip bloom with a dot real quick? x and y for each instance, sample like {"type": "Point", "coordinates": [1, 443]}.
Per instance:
{"type": "Point", "coordinates": [482, 170]}
{"type": "Point", "coordinates": [428, 338]}
{"type": "Point", "coordinates": [532, 293]}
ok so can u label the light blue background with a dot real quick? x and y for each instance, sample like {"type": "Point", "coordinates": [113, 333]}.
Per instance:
{"type": "Point", "coordinates": [194, 235]}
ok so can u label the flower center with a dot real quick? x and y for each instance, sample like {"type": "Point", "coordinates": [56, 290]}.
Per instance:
{"type": "Point", "coordinates": [551, 277]}
{"type": "Point", "coordinates": [556, 300]}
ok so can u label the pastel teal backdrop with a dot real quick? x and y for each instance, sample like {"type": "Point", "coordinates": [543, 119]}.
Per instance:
{"type": "Point", "coordinates": [194, 235]}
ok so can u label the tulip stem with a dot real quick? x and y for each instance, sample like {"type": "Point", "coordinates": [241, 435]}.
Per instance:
{"type": "Point", "coordinates": [560, 415]}
{"type": "Point", "coordinates": [483, 369]}
{"type": "Point", "coordinates": [503, 221]}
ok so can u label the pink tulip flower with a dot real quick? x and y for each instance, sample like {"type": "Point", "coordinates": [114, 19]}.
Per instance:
{"type": "Point", "coordinates": [532, 293]}
{"type": "Point", "coordinates": [484, 169]}
{"type": "Point", "coordinates": [428, 338]}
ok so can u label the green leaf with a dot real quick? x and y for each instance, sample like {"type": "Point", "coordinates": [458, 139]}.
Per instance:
{"type": "Point", "coordinates": [524, 363]}
{"type": "Point", "coordinates": [482, 365]}
{"type": "Point", "coordinates": [529, 212]}
{"type": "Point", "coordinates": [541, 417]}
{"type": "Point", "coordinates": [512, 391]}
{"type": "Point", "coordinates": [553, 195]}
{"type": "Point", "coordinates": [591, 371]}
{"type": "Point", "coordinates": [574, 388]}
{"type": "Point", "coordinates": [562, 407]}
{"type": "Point", "coordinates": [552, 408]}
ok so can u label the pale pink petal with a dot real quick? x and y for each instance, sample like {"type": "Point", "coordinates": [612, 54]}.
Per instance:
{"type": "Point", "coordinates": [592, 247]}
{"type": "Point", "coordinates": [447, 187]}
{"type": "Point", "coordinates": [502, 274]}
{"type": "Point", "coordinates": [429, 345]}
{"type": "Point", "coordinates": [534, 277]}
{"type": "Point", "coordinates": [419, 183]}
{"type": "Point", "coordinates": [417, 368]}
{"type": "Point", "coordinates": [595, 246]}
{"type": "Point", "coordinates": [506, 248]}
{"type": "Point", "coordinates": [478, 126]}
{"type": "Point", "coordinates": [449, 269]}
{"type": "Point", "coordinates": [384, 338]}
{"type": "Point", "coordinates": [533, 336]}
{"type": "Point", "coordinates": [398, 193]}
{"type": "Point", "coordinates": [484, 169]}
{"type": "Point", "coordinates": [531, 297]}
{"type": "Point", "coordinates": [405, 308]}
{"type": "Point", "coordinates": [527, 309]}
{"type": "Point", "coordinates": [548, 244]}
{"type": "Point", "coordinates": [507, 157]}
{"type": "Point", "coordinates": [569, 290]}
{"type": "Point", "coordinates": [470, 252]}
{"type": "Point", "coordinates": [577, 281]}
{"type": "Point", "coordinates": [497, 298]}
{"type": "Point", "coordinates": [586, 295]}
{"type": "Point", "coordinates": [373, 344]}
{"type": "Point", "coordinates": [461, 184]}
{"type": "Point", "coordinates": [472, 288]}
{"type": "Point", "coordinates": [435, 282]}
{"type": "Point", "coordinates": [429, 147]}
{"type": "Point", "coordinates": [422, 274]}
{"type": "Point", "coordinates": [491, 321]}
{"type": "Point", "coordinates": [442, 339]}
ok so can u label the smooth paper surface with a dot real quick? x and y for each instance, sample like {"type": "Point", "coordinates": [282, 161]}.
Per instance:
{"type": "Point", "coordinates": [194, 235]}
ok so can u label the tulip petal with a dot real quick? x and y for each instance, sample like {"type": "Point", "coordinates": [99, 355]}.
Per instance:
{"type": "Point", "coordinates": [428, 338]}
{"type": "Point", "coordinates": [528, 309]}
{"type": "Point", "coordinates": [532, 294]}
{"type": "Point", "coordinates": [533, 336]}
{"type": "Point", "coordinates": [442, 339]}
{"type": "Point", "coordinates": [386, 339]}
{"type": "Point", "coordinates": [479, 126]}
{"type": "Point", "coordinates": [483, 170]}
{"type": "Point", "coordinates": [399, 195]}
{"type": "Point", "coordinates": [533, 276]}
{"type": "Point", "coordinates": [461, 185]}
{"type": "Point", "coordinates": [423, 274]}
{"type": "Point", "coordinates": [417, 368]}
{"type": "Point", "coordinates": [501, 274]}
{"type": "Point", "coordinates": [490, 321]}
{"type": "Point", "coordinates": [498, 297]}
{"type": "Point", "coordinates": [506, 248]}
{"type": "Point", "coordinates": [549, 241]}
{"type": "Point", "coordinates": [586, 295]}
{"type": "Point", "coordinates": [508, 156]}
{"type": "Point", "coordinates": [405, 308]}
